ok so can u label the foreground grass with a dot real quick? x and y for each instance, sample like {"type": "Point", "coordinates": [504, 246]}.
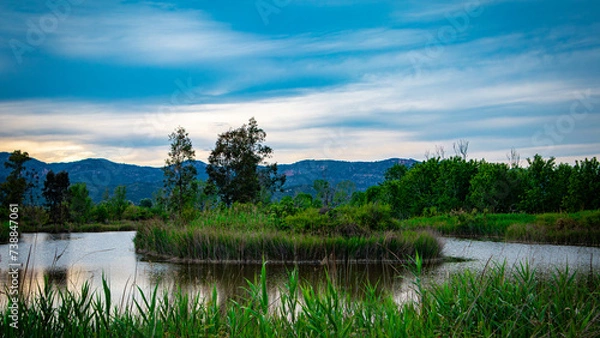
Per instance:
{"type": "Point", "coordinates": [496, 302]}
{"type": "Point", "coordinates": [580, 228]}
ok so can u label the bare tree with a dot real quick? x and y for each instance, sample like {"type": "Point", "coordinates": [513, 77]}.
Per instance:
{"type": "Point", "coordinates": [440, 151]}
{"type": "Point", "coordinates": [460, 148]}
{"type": "Point", "coordinates": [514, 158]}
{"type": "Point", "coordinates": [427, 154]}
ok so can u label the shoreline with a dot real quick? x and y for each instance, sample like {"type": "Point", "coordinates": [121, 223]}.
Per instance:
{"type": "Point", "coordinates": [178, 260]}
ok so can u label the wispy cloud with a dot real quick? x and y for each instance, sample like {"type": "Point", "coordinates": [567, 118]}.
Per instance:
{"type": "Point", "coordinates": [103, 84]}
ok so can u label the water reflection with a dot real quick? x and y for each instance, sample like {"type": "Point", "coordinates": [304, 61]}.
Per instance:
{"type": "Point", "coordinates": [67, 261]}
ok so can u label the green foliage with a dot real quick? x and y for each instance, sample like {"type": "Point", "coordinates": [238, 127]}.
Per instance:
{"type": "Point", "coordinates": [180, 173]}
{"type": "Point", "coordinates": [500, 301]}
{"type": "Point", "coordinates": [440, 186]}
{"type": "Point", "coordinates": [137, 213]}
{"type": "Point", "coordinates": [303, 201]}
{"type": "Point", "coordinates": [4, 232]}
{"type": "Point", "coordinates": [395, 172]}
{"type": "Point", "coordinates": [56, 193]}
{"type": "Point", "coordinates": [193, 243]}
{"type": "Point", "coordinates": [324, 191]}
{"type": "Point", "coordinates": [580, 228]}
{"type": "Point", "coordinates": [583, 192]}
{"type": "Point", "coordinates": [452, 185]}
{"type": "Point", "coordinates": [540, 180]}
{"type": "Point", "coordinates": [114, 205]}
{"type": "Point", "coordinates": [34, 216]}
{"type": "Point", "coordinates": [344, 220]}
{"type": "Point", "coordinates": [12, 191]}
{"type": "Point", "coordinates": [100, 213]}
{"type": "Point", "coordinates": [494, 187]}
{"type": "Point", "coordinates": [308, 221]}
{"type": "Point", "coordinates": [343, 192]}
{"type": "Point", "coordinates": [146, 203]}
{"type": "Point", "coordinates": [80, 203]}
{"type": "Point", "coordinates": [234, 165]}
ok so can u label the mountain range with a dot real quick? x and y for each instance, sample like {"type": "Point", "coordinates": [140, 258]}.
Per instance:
{"type": "Point", "coordinates": [142, 182]}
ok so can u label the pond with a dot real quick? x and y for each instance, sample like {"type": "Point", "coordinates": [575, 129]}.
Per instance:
{"type": "Point", "coordinates": [69, 260]}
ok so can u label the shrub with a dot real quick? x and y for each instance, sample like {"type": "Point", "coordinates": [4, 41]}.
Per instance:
{"type": "Point", "coordinates": [308, 221]}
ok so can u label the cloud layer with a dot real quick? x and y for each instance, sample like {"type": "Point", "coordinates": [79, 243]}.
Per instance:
{"type": "Point", "coordinates": [364, 81]}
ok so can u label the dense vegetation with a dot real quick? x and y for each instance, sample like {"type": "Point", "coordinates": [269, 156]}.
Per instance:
{"type": "Point", "coordinates": [455, 195]}
{"type": "Point", "coordinates": [440, 186]}
{"type": "Point", "coordinates": [578, 228]}
{"type": "Point", "coordinates": [247, 233]}
{"type": "Point", "coordinates": [497, 302]}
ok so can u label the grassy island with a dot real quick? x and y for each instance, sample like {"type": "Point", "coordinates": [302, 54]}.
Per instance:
{"type": "Point", "coordinates": [246, 233]}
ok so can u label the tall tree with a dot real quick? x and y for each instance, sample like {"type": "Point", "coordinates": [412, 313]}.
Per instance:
{"type": "Point", "coordinates": [180, 173]}
{"type": "Point", "coordinates": [118, 202]}
{"type": "Point", "coordinates": [56, 192]}
{"type": "Point", "coordinates": [538, 184]}
{"type": "Point", "coordinates": [343, 192]}
{"type": "Point", "coordinates": [495, 187]}
{"type": "Point", "coordinates": [324, 191]}
{"type": "Point", "coordinates": [13, 189]}
{"type": "Point", "coordinates": [80, 203]}
{"type": "Point", "coordinates": [234, 165]}
{"type": "Point", "coordinates": [584, 186]}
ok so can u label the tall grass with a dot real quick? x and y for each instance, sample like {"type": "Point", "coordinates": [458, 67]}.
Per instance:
{"type": "Point", "coordinates": [497, 302]}
{"type": "Point", "coordinates": [579, 228]}
{"type": "Point", "coordinates": [207, 244]}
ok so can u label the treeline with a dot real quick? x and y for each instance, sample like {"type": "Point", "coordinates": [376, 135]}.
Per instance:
{"type": "Point", "coordinates": [64, 202]}
{"type": "Point", "coordinates": [438, 186]}
{"type": "Point", "coordinates": [238, 173]}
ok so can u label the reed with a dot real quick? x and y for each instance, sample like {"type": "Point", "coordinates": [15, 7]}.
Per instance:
{"type": "Point", "coordinates": [207, 244]}
{"type": "Point", "coordinates": [500, 301]}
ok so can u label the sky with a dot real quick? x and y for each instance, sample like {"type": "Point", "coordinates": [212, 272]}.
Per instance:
{"type": "Point", "coordinates": [350, 80]}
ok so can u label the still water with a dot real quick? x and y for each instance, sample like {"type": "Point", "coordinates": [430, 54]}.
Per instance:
{"type": "Point", "coordinates": [69, 260]}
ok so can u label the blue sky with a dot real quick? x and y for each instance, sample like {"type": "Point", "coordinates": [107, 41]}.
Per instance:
{"type": "Point", "coordinates": [348, 80]}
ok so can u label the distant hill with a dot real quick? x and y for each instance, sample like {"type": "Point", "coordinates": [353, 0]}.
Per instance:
{"type": "Point", "coordinates": [142, 182]}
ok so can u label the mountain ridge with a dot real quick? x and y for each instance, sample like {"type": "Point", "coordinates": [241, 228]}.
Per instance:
{"type": "Point", "coordinates": [101, 174]}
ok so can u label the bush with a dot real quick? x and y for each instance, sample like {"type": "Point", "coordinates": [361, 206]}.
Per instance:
{"type": "Point", "coordinates": [308, 221]}
{"type": "Point", "coordinates": [135, 213]}
{"type": "Point", "coordinates": [100, 213]}
{"type": "Point", "coordinates": [34, 216]}
{"type": "Point", "coordinates": [371, 216]}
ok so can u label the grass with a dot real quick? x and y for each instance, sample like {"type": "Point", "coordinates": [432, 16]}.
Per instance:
{"type": "Point", "coordinates": [246, 233]}
{"type": "Point", "coordinates": [579, 228]}
{"type": "Point", "coordinates": [220, 244]}
{"type": "Point", "coordinates": [496, 302]}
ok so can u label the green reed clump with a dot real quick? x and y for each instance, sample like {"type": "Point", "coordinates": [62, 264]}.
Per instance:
{"type": "Point", "coordinates": [499, 301]}
{"type": "Point", "coordinates": [221, 245]}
